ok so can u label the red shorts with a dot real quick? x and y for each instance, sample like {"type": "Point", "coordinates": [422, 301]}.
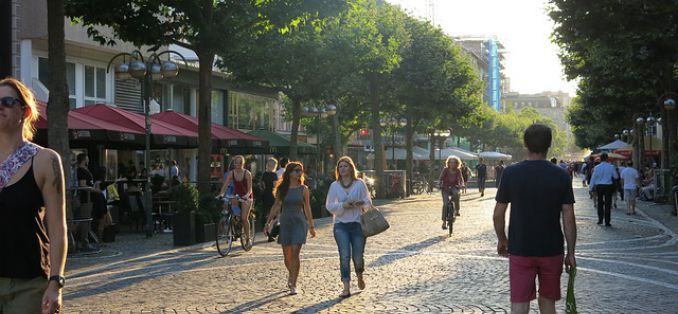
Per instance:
{"type": "Point", "coordinates": [522, 273]}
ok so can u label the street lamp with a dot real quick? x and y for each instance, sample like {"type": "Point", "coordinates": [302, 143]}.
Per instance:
{"type": "Point", "coordinates": [319, 113]}
{"type": "Point", "coordinates": [393, 123]}
{"type": "Point", "coordinates": [442, 135]}
{"type": "Point", "coordinates": [146, 70]}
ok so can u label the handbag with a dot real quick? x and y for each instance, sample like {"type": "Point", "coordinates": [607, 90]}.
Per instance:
{"type": "Point", "coordinates": [570, 303]}
{"type": "Point", "coordinates": [373, 222]}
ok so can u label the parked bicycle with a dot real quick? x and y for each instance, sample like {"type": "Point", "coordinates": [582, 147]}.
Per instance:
{"type": "Point", "coordinates": [230, 228]}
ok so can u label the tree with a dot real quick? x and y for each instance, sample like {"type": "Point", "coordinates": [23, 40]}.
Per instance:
{"type": "Point", "coordinates": [204, 26]}
{"type": "Point", "coordinates": [623, 52]}
{"type": "Point", "coordinates": [58, 105]}
{"type": "Point", "coordinates": [436, 87]}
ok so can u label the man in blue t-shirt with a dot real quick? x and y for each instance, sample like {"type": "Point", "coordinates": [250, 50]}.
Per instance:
{"type": "Point", "coordinates": [539, 193]}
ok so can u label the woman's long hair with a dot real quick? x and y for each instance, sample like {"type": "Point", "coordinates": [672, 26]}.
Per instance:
{"type": "Point", "coordinates": [349, 161]}
{"type": "Point", "coordinates": [282, 186]}
{"type": "Point", "coordinates": [30, 108]}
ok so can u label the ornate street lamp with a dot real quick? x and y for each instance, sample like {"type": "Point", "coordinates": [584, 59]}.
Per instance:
{"type": "Point", "coordinates": [393, 123]}
{"type": "Point", "coordinates": [138, 68]}
{"type": "Point", "coordinates": [327, 111]}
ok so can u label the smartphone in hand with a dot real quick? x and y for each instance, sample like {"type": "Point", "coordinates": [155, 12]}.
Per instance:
{"type": "Point", "coordinates": [359, 203]}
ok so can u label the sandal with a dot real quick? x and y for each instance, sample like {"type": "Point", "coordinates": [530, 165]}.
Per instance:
{"type": "Point", "coordinates": [361, 282]}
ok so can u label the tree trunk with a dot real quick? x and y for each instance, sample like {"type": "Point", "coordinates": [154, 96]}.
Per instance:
{"type": "Point", "coordinates": [338, 151]}
{"type": "Point", "coordinates": [294, 136]}
{"type": "Point", "coordinates": [432, 160]}
{"type": "Point", "coordinates": [378, 144]}
{"type": "Point", "coordinates": [57, 109]}
{"type": "Point", "coordinates": [205, 121]}
{"type": "Point", "coordinates": [409, 142]}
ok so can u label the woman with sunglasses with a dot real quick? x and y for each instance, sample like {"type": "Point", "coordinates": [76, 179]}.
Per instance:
{"type": "Point", "coordinates": [346, 199]}
{"type": "Point", "coordinates": [292, 203]}
{"type": "Point", "coordinates": [32, 198]}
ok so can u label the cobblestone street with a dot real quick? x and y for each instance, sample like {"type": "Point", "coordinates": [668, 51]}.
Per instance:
{"type": "Point", "coordinates": [631, 267]}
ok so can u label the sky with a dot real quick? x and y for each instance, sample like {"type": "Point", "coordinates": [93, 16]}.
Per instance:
{"type": "Point", "coordinates": [522, 26]}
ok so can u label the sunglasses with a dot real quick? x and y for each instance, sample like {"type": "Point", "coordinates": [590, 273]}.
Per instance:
{"type": "Point", "coordinates": [9, 102]}
{"type": "Point", "coordinates": [298, 170]}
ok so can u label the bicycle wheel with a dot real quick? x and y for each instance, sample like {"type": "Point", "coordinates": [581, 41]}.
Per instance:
{"type": "Point", "coordinates": [224, 236]}
{"type": "Point", "coordinates": [417, 188]}
{"type": "Point", "coordinates": [450, 217]}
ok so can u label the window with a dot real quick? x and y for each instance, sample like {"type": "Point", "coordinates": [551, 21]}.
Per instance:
{"type": "Point", "coordinates": [218, 107]}
{"type": "Point", "coordinates": [251, 112]}
{"type": "Point", "coordinates": [43, 76]}
{"type": "Point", "coordinates": [181, 99]}
{"type": "Point", "coordinates": [95, 85]}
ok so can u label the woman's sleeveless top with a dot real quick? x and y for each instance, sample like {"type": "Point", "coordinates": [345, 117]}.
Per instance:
{"type": "Point", "coordinates": [24, 244]}
{"type": "Point", "coordinates": [241, 186]}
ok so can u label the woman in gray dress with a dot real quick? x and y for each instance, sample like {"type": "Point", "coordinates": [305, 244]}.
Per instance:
{"type": "Point", "coordinates": [293, 206]}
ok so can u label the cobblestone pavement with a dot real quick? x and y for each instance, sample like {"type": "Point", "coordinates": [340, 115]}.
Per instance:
{"type": "Point", "coordinates": [631, 267]}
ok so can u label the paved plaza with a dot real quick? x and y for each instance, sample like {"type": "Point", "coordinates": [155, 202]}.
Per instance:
{"type": "Point", "coordinates": [631, 267]}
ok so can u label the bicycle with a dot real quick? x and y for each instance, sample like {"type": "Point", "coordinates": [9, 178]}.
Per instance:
{"type": "Point", "coordinates": [451, 209]}
{"type": "Point", "coordinates": [230, 228]}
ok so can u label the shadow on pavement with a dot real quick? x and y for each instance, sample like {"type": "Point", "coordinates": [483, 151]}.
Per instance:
{"type": "Point", "coordinates": [392, 256]}
{"type": "Point", "coordinates": [319, 307]}
{"type": "Point", "coordinates": [255, 304]}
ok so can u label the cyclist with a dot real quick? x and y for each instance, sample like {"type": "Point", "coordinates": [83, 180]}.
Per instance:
{"type": "Point", "coordinates": [451, 183]}
{"type": "Point", "coordinates": [242, 184]}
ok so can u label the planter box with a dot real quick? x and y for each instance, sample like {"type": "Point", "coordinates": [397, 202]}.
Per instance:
{"type": "Point", "coordinates": [184, 228]}
{"type": "Point", "coordinates": [205, 232]}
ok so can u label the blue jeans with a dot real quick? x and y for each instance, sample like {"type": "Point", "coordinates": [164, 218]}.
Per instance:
{"type": "Point", "coordinates": [350, 241]}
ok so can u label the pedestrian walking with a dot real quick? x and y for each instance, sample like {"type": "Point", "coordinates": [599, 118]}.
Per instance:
{"type": "Point", "coordinates": [481, 173]}
{"type": "Point", "coordinates": [173, 171]}
{"type": "Point", "coordinates": [33, 242]}
{"type": "Point", "coordinates": [465, 174]}
{"type": "Point", "coordinates": [292, 204]}
{"type": "Point", "coordinates": [451, 182]}
{"type": "Point", "coordinates": [347, 198]}
{"type": "Point", "coordinates": [539, 193]}
{"type": "Point", "coordinates": [630, 180]}
{"type": "Point", "coordinates": [498, 171]}
{"type": "Point", "coordinates": [602, 180]}
{"type": "Point", "coordinates": [269, 180]}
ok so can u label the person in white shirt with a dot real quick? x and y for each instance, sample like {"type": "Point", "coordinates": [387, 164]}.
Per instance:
{"type": "Point", "coordinates": [346, 199]}
{"type": "Point", "coordinates": [630, 181]}
{"type": "Point", "coordinates": [602, 181]}
{"type": "Point", "coordinates": [283, 164]}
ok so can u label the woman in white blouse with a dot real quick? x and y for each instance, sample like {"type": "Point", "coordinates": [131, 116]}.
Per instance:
{"type": "Point", "coordinates": [346, 199]}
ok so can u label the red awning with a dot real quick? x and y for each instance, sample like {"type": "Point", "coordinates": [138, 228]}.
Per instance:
{"type": "Point", "coordinates": [79, 121]}
{"type": "Point", "coordinates": [226, 136]}
{"type": "Point", "coordinates": [164, 133]}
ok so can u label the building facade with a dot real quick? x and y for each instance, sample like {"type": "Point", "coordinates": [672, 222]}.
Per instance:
{"type": "Point", "coordinates": [487, 57]}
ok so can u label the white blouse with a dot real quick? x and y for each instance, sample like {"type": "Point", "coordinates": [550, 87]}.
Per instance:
{"type": "Point", "coordinates": [337, 195]}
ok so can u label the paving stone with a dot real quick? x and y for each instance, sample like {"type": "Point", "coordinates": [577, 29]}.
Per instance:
{"type": "Point", "coordinates": [413, 267]}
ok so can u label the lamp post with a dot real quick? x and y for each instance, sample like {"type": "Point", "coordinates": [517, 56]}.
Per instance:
{"type": "Point", "coordinates": [393, 123]}
{"type": "Point", "coordinates": [146, 70]}
{"type": "Point", "coordinates": [318, 113]}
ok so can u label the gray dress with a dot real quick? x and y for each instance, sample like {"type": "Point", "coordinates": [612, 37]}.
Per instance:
{"type": "Point", "coordinates": [293, 224]}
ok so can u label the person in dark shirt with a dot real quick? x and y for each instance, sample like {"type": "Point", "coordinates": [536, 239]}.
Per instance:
{"type": "Point", "coordinates": [33, 241]}
{"type": "Point", "coordinates": [498, 171]}
{"type": "Point", "coordinates": [539, 193]}
{"type": "Point", "coordinates": [269, 179]}
{"type": "Point", "coordinates": [481, 173]}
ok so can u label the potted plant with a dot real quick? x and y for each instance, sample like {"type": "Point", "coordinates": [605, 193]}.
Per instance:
{"type": "Point", "coordinates": [185, 207]}
{"type": "Point", "coordinates": [209, 212]}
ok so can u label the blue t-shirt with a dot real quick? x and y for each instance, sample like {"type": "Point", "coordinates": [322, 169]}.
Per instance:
{"type": "Point", "coordinates": [536, 190]}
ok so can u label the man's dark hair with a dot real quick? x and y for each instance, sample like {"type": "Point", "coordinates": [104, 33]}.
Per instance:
{"type": "Point", "coordinates": [629, 163]}
{"type": "Point", "coordinates": [603, 157]}
{"type": "Point", "coordinates": [283, 162]}
{"type": "Point", "coordinates": [537, 138]}
{"type": "Point", "coordinates": [80, 157]}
